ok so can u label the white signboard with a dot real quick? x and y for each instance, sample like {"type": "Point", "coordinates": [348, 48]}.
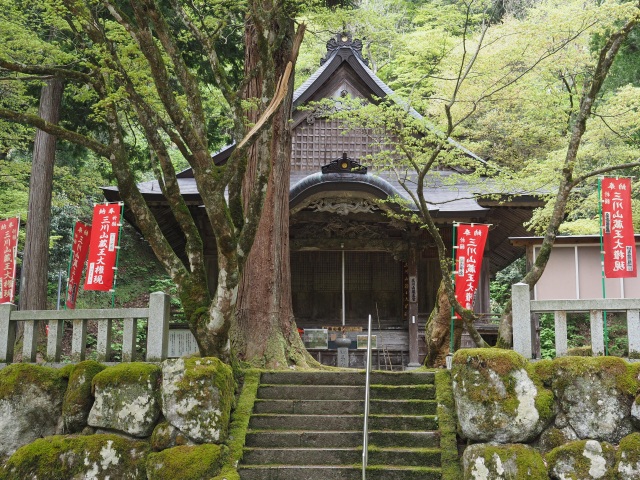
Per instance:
{"type": "Point", "coordinates": [181, 343]}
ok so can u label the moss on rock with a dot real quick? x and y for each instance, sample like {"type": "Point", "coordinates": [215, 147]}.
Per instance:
{"type": "Point", "coordinates": [126, 399]}
{"type": "Point", "coordinates": [197, 396]}
{"type": "Point", "coordinates": [503, 462]}
{"type": "Point", "coordinates": [30, 404]}
{"type": "Point", "coordinates": [582, 460]}
{"type": "Point", "coordinates": [447, 425]}
{"type": "Point", "coordinates": [78, 398]}
{"type": "Point", "coordinates": [16, 378]}
{"type": "Point", "coordinates": [66, 457]}
{"type": "Point", "coordinates": [166, 436]}
{"type": "Point", "coordinates": [499, 397]}
{"type": "Point", "coordinates": [196, 462]}
{"type": "Point", "coordinates": [595, 395]}
{"type": "Point", "coordinates": [628, 457]}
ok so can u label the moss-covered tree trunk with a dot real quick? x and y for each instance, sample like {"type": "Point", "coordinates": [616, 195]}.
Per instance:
{"type": "Point", "coordinates": [264, 332]}
{"type": "Point", "coordinates": [438, 331]}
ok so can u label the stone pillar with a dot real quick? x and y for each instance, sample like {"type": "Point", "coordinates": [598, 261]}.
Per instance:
{"type": "Point", "coordinates": [412, 272]}
{"type": "Point", "coordinates": [521, 314]}
{"type": "Point", "coordinates": [158, 327]}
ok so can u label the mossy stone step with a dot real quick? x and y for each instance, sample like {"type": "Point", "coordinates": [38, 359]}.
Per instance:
{"type": "Point", "coordinates": [268, 421]}
{"type": "Point", "coordinates": [347, 378]}
{"type": "Point", "coordinates": [346, 392]}
{"type": "Point", "coordinates": [342, 407]}
{"type": "Point", "coordinates": [337, 439]}
{"type": "Point", "coordinates": [340, 472]}
{"type": "Point", "coordinates": [342, 456]}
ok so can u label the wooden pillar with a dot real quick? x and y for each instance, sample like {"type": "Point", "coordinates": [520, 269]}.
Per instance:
{"type": "Point", "coordinates": [412, 272]}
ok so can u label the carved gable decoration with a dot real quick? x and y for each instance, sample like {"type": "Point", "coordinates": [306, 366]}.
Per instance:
{"type": "Point", "coordinates": [343, 206]}
{"type": "Point", "coordinates": [344, 39]}
{"type": "Point", "coordinates": [344, 165]}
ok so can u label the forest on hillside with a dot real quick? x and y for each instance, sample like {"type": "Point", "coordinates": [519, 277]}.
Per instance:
{"type": "Point", "coordinates": [506, 79]}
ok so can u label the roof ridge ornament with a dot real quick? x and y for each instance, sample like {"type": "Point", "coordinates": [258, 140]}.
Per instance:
{"type": "Point", "coordinates": [344, 39]}
{"type": "Point", "coordinates": [344, 165]}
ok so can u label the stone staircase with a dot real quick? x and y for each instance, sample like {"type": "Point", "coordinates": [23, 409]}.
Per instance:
{"type": "Point", "coordinates": [308, 426]}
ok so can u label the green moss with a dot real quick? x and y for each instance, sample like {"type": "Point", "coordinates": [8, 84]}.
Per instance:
{"type": "Point", "coordinates": [240, 424]}
{"type": "Point", "coordinates": [134, 372]}
{"type": "Point", "coordinates": [17, 377]}
{"type": "Point", "coordinates": [78, 398]}
{"type": "Point", "coordinates": [517, 460]}
{"type": "Point", "coordinates": [612, 370]}
{"type": "Point", "coordinates": [67, 370]}
{"type": "Point", "coordinates": [200, 371]}
{"type": "Point", "coordinates": [451, 468]}
{"type": "Point", "coordinates": [499, 360]}
{"type": "Point", "coordinates": [576, 463]}
{"type": "Point", "coordinates": [185, 463]}
{"type": "Point", "coordinates": [629, 449]}
{"type": "Point", "coordinates": [580, 351]}
{"type": "Point", "coordinates": [65, 457]}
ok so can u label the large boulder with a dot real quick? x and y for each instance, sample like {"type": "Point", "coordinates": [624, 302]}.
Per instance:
{"type": "Point", "coordinates": [78, 399]}
{"type": "Point", "coordinates": [197, 396]}
{"type": "Point", "coordinates": [126, 399]}
{"type": "Point", "coordinates": [99, 457]}
{"type": "Point", "coordinates": [595, 395]}
{"type": "Point", "coordinates": [502, 462]}
{"type": "Point", "coordinates": [628, 457]}
{"type": "Point", "coordinates": [498, 397]}
{"type": "Point", "coordinates": [582, 460]}
{"type": "Point", "coordinates": [30, 404]}
{"type": "Point", "coordinates": [185, 463]}
{"type": "Point", "coordinates": [166, 436]}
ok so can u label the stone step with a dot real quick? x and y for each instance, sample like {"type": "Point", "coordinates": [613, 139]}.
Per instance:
{"type": "Point", "coordinates": [341, 472]}
{"type": "Point", "coordinates": [339, 439]}
{"type": "Point", "coordinates": [341, 407]}
{"type": "Point", "coordinates": [345, 392]}
{"type": "Point", "coordinates": [341, 456]}
{"type": "Point", "coordinates": [266, 421]}
{"type": "Point", "coordinates": [347, 378]}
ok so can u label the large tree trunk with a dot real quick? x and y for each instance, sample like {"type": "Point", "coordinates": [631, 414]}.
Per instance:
{"type": "Point", "coordinates": [264, 332]}
{"type": "Point", "coordinates": [437, 331]}
{"type": "Point", "coordinates": [33, 287]}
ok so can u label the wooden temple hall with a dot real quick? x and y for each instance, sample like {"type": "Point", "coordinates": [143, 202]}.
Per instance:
{"type": "Point", "coordinates": [342, 239]}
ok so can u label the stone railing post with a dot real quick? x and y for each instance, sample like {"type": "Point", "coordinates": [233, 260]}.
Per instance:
{"type": "Point", "coordinates": [7, 333]}
{"type": "Point", "coordinates": [158, 327]}
{"type": "Point", "coordinates": [633, 329]}
{"type": "Point", "coordinates": [30, 341]}
{"type": "Point", "coordinates": [521, 315]}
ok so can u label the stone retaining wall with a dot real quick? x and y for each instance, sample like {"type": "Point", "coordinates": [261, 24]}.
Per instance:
{"type": "Point", "coordinates": [568, 418]}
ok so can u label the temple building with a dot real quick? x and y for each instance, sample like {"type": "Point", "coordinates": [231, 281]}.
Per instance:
{"type": "Point", "coordinates": [349, 258]}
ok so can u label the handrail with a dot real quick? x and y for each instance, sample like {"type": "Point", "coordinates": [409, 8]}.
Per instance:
{"type": "Point", "coordinates": [365, 439]}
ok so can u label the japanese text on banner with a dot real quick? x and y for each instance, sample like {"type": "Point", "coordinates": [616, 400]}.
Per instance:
{"type": "Point", "coordinates": [471, 240]}
{"type": "Point", "coordinates": [102, 247]}
{"type": "Point", "coordinates": [8, 250]}
{"type": "Point", "coordinates": [618, 240]}
{"type": "Point", "coordinates": [79, 250]}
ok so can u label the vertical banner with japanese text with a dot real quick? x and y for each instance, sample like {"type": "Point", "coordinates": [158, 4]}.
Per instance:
{"type": "Point", "coordinates": [618, 241]}
{"type": "Point", "coordinates": [8, 250]}
{"type": "Point", "coordinates": [102, 247]}
{"type": "Point", "coordinates": [79, 251]}
{"type": "Point", "coordinates": [470, 243]}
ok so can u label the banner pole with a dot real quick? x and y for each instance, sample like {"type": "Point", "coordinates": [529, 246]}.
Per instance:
{"type": "Point", "coordinates": [453, 280]}
{"type": "Point", "coordinates": [604, 287]}
{"type": "Point", "coordinates": [66, 292]}
{"type": "Point", "coordinates": [115, 273]}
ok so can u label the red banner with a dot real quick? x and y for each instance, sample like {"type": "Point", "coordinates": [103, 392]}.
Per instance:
{"type": "Point", "coordinates": [102, 248]}
{"type": "Point", "coordinates": [8, 251]}
{"type": "Point", "coordinates": [617, 229]}
{"type": "Point", "coordinates": [79, 251]}
{"type": "Point", "coordinates": [471, 240]}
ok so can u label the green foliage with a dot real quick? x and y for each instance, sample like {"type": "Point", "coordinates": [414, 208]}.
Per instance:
{"type": "Point", "coordinates": [500, 287]}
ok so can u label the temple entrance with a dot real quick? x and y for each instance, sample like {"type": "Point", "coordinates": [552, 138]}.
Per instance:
{"type": "Point", "coordinates": [372, 279]}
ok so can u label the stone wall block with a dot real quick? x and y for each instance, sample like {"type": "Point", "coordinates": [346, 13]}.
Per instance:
{"type": "Point", "coordinates": [485, 461]}
{"type": "Point", "coordinates": [197, 395]}
{"type": "Point", "coordinates": [582, 460]}
{"type": "Point", "coordinates": [30, 404]}
{"type": "Point", "coordinates": [126, 399]}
